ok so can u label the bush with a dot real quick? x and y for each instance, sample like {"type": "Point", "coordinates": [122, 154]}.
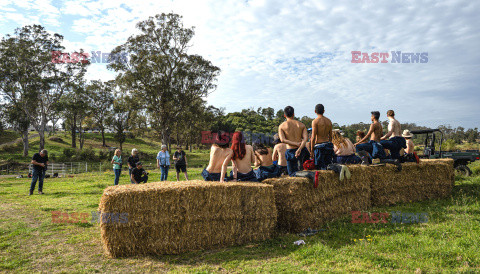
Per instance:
{"type": "Point", "coordinates": [449, 145]}
{"type": "Point", "coordinates": [87, 154]}
{"type": "Point", "coordinates": [104, 155]}
{"type": "Point", "coordinates": [68, 152]}
{"type": "Point", "coordinates": [56, 139]}
{"type": "Point", "coordinates": [52, 157]}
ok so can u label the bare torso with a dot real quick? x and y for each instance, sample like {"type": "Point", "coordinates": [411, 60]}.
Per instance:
{"type": "Point", "coordinates": [321, 130]}
{"type": "Point", "coordinates": [395, 127]}
{"type": "Point", "coordinates": [279, 154]}
{"type": "Point", "coordinates": [410, 146]}
{"type": "Point", "coordinates": [293, 131]}
{"type": "Point", "coordinates": [217, 158]}
{"type": "Point", "coordinates": [264, 159]}
{"type": "Point", "coordinates": [349, 149]}
{"type": "Point", "coordinates": [377, 131]}
{"type": "Point", "coordinates": [244, 165]}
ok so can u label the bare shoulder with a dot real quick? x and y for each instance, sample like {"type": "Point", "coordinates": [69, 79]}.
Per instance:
{"type": "Point", "coordinates": [300, 124]}
{"type": "Point", "coordinates": [328, 121]}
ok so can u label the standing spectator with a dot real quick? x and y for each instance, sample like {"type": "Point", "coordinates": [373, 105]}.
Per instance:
{"type": "Point", "coordinates": [139, 175]}
{"type": "Point", "coordinates": [180, 159]}
{"type": "Point", "coordinates": [39, 162]}
{"type": "Point", "coordinates": [132, 162]}
{"type": "Point", "coordinates": [117, 165]}
{"type": "Point", "coordinates": [163, 162]}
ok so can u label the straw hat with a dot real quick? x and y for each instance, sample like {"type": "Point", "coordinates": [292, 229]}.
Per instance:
{"type": "Point", "coordinates": [339, 131]}
{"type": "Point", "coordinates": [407, 134]}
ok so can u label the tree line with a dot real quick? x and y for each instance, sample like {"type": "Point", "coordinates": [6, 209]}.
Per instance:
{"type": "Point", "coordinates": [159, 90]}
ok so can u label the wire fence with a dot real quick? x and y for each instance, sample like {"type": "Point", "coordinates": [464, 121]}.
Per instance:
{"type": "Point", "coordinates": [63, 169]}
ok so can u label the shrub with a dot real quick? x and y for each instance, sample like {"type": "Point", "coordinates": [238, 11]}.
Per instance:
{"type": "Point", "coordinates": [87, 154]}
{"type": "Point", "coordinates": [56, 139]}
{"type": "Point", "coordinates": [103, 155]}
{"type": "Point", "coordinates": [68, 152]}
{"type": "Point", "coordinates": [449, 145]}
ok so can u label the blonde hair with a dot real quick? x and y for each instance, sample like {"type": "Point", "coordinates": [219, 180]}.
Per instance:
{"type": "Point", "coordinates": [338, 140]}
{"type": "Point", "coordinates": [117, 150]}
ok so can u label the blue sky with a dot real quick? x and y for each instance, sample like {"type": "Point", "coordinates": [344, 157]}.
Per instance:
{"type": "Point", "coordinates": [278, 53]}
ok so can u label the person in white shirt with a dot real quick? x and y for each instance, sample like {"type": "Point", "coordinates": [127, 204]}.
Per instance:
{"type": "Point", "coordinates": [163, 162]}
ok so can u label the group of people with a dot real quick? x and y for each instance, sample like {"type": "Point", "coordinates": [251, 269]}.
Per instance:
{"type": "Point", "coordinates": [294, 146]}
{"type": "Point", "coordinates": [325, 148]}
{"type": "Point", "coordinates": [135, 168]}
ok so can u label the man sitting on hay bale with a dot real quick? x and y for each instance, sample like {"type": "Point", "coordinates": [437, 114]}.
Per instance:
{"type": "Point", "coordinates": [294, 134]}
{"type": "Point", "coordinates": [220, 156]}
{"type": "Point", "coordinates": [393, 140]}
{"type": "Point", "coordinates": [321, 143]}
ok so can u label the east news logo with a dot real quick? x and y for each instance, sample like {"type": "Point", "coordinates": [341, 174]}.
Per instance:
{"type": "Point", "coordinates": [397, 57]}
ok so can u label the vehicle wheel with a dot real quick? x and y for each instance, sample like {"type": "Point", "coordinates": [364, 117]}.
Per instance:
{"type": "Point", "coordinates": [463, 170]}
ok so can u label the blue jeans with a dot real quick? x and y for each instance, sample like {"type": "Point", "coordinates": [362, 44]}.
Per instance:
{"type": "Point", "coordinates": [293, 162]}
{"type": "Point", "coordinates": [244, 177]}
{"type": "Point", "coordinates": [323, 155]}
{"type": "Point", "coordinates": [394, 144]}
{"type": "Point", "coordinates": [207, 176]}
{"type": "Point", "coordinates": [37, 175]}
{"type": "Point", "coordinates": [117, 175]}
{"type": "Point", "coordinates": [375, 149]}
{"type": "Point", "coordinates": [348, 160]}
{"type": "Point", "coordinates": [265, 172]}
{"type": "Point", "coordinates": [164, 170]}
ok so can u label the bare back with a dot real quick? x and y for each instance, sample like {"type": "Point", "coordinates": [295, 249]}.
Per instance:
{"type": "Point", "coordinates": [321, 130]}
{"type": "Point", "coordinates": [377, 131]}
{"type": "Point", "coordinates": [279, 154]}
{"type": "Point", "coordinates": [395, 127]}
{"type": "Point", "coordinates": [244, 165]}
{"type": "Point", "coordinates": [217, 158]}
{"type": "Point", "coordinates": [264, 159]}
{"type": "Point", "coordinates": [291, 130]}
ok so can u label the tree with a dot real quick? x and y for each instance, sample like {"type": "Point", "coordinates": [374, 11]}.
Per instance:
{"type": "Point", "coordinates": [29, 77]}
{"type": "Point", "coordinates": [16, 117]}
{"type": "Point", "coordinates": [162, 72]}
{"type": "Point", "coordinates": [120, 118]}
{"type": "Point", "coordinates": [101, 98]}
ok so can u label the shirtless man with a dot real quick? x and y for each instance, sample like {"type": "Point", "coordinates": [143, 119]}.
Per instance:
{"type": "Point", "coordinates": [393, 140]}
{"type": "Point", "coordinates": [374, 148]}
{"type": "Point", "coordinates": [220, 156]}
{"type": "Point", "coordinates": [321, 142]}
{"type": "Point", "coordinates": [242, 159]}
{"type": "Point", "coordinates": [294, 134]}
{"type": "Point", "coordinates": [278, 155]}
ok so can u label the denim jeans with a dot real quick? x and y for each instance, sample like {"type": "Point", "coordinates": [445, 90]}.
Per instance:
{"type": "Point", "coordinates": [348, 160]}
{"type": "Point", "coordinates": [375, 149]}
{"type": "Point", "coordinates": [117, 175]}
{"type": "Point", "coordinates": [323, 155]}
{"type": "Point", "coordinates": [207, 176]}
{"type": "Point", "coordinates": [164, 175]}
{"type": "Point", "coordinates": [394, 144]}
{"type": "Point", "coordinates": [37, 175]}
{"type": "Point", "coordinates": [293, 162]}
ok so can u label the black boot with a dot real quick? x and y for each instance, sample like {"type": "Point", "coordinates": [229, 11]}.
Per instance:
{"type": "Point", "coordinates": [313, 176]}
{"type": "Point", "coordinates": [392, 162]}
{"type": "Point", "coordinates": [31, 193]}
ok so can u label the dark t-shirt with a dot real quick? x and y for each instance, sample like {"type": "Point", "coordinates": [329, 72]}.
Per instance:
{"type": "Point", "coordinates": [137, 173]}
{"type": "Point", "coordinates": [39, 159]}
{"type": "Point", "coordinates": [181, 158]}
{"type": "Point", "coordinates": [133, 160]}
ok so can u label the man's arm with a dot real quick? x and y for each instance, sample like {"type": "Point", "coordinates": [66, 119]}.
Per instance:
{"type": "Point", "coordinates": [158, 163]}
{"type": "Point", "coordinates": [224, 166]}
{"type": "Point", "coordinates": [304, 141]}
{"type": "Point", "coordinates": [389, 133]}
{"type": "Point", "coordinates": [283, 139]}
{"type": "Point", "coordinates": [370, 131]}
{"type": "Point", "coordinates": [313, 140]}
{"type": "Point", "coordinates": [133, 179]}
{"type": "Point", "coordinates": [37, 163]}
{"type": "Point", "coordinates": [274, 153]}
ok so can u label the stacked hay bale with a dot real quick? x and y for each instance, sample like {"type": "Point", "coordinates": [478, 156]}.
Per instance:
{"type": "Point", "coordinates": [301, 206]}
{"type": "Point", "coordinates": [175, 217]}
{"type": "Point", "coordinates": [431, 179]}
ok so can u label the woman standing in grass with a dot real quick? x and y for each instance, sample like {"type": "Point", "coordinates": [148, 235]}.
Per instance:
{"type": "Point", "coordinates": [117, 165]}
{"type": "Point", "coordinates": [163, 162]}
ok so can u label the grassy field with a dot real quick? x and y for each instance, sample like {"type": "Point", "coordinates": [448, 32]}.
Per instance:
{"type": "Point", "coordinates": [29, 241]}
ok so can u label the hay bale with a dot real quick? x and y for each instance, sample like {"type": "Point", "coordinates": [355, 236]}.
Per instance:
{"type": "Point", "coordinates": [175, 217]}
{"type": "Point", "coordinates": [300, 206]}
{"type": "Point", "coordinates": [431, 179]}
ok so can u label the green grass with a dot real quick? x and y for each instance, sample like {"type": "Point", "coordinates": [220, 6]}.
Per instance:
{"type": "Point", "coordinates": [29, 241]}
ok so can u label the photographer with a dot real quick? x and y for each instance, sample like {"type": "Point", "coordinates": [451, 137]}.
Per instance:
{"type": "Point", "coordinates": [117, 165]}
{"type": "Point", "coordinates": [39, 162]}
{"type": "Point", "coordinates": [139, 175]}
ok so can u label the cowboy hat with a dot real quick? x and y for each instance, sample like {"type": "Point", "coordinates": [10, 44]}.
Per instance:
{"type": "Point", "coordinates": [407, 134]}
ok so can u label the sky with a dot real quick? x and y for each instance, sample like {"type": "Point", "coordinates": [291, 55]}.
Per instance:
{"type": "Point", "coordinates": [299, 53]}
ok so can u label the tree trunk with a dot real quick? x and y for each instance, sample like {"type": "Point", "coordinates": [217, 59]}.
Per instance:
{"type": "Point", "coordinates": [25, 142]}
{"type": "Point", "coordinates": [103, 137]}
{"type": "Point", "coordinates": [74, 134]}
